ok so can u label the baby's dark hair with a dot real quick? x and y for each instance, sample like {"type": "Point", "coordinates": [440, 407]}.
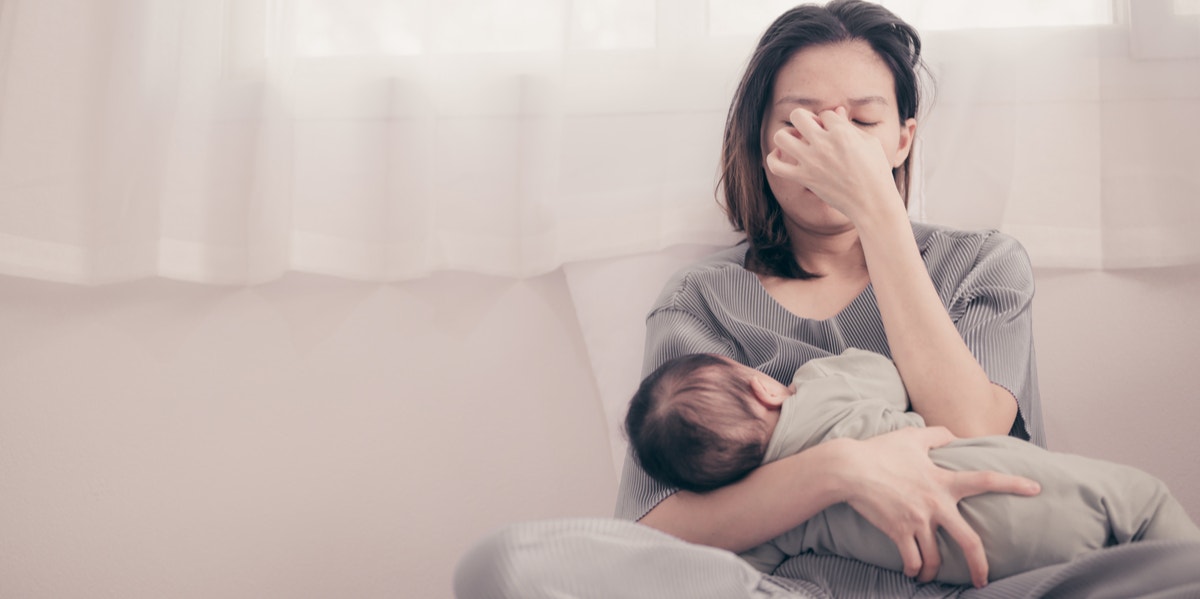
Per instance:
{"type": "Point", "coordinates": [691, 426]}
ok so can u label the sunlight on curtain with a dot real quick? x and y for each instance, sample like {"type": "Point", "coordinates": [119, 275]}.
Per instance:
{"type": "Point", "coordinates": [229, 142]}
{"type": "Point", "coordinates": [1078, 141]}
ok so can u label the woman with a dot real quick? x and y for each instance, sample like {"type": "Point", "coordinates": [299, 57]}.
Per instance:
{"type": "Point", "coordinates": [816, 165]}
{"type": "Point", "coordinates": [816, 169]}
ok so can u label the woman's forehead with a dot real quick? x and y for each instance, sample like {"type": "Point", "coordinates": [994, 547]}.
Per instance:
{"type": "Point", "coordinates": [848, 72]}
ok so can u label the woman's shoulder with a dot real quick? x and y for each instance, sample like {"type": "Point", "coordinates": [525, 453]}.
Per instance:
{"type": "Point", "coordinates": [943, 244]}
{"type": "Point", "coordinates": [718, 272]}
{"type": "Point", "coordinates": [963, 263]}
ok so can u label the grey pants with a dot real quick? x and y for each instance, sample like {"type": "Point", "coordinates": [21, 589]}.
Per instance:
{"type": "Point", "coordinates": [601, 558]}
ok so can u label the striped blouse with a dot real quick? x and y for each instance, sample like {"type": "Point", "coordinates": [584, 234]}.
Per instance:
{"type": "Point", "coordinates": [717, 306]}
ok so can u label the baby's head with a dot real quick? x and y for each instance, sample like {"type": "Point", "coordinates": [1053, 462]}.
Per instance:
{"type": "Point", "coordinates": [703, 421]}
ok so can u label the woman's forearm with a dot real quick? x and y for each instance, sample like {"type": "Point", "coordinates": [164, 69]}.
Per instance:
{"type": "Point", "coordinates": [945, 382]}
{"type": "Point", "coordinates": [773, 499]}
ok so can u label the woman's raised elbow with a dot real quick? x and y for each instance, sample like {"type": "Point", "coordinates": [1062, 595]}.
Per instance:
{"type": "Point", "coordinates": [991, 414]}
{"type": "Point", "coordinates": [996, 414]}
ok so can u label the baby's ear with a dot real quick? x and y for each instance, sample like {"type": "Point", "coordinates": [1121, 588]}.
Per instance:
{"type": "Point", "coordinates": [770, 399]}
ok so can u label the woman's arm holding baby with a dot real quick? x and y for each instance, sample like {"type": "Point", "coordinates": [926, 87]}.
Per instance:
{"type": "Point", "coordinates": [889, 479]}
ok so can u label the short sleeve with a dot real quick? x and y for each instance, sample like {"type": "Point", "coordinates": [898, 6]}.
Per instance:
{"type": "Point", "coordinates": [669, 333]}
{"type": "Point", "coordinates": [992, 309]}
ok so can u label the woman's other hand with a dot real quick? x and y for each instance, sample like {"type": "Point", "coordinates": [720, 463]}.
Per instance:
{"type": "Point", "coordinates": [895, 486]}
{"type": "Point", "coordinates": [841, 161]}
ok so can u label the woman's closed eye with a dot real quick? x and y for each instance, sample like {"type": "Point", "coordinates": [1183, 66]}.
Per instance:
{"type": "Point", "coordinates": [859, 122]}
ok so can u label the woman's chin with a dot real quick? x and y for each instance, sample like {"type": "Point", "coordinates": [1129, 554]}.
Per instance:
{"type": "Point", "coordinates": [834, 224]}
{"type": "Point", "coordinates": [818, 217]}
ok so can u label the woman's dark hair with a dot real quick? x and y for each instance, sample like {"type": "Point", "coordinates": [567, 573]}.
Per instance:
{"type": "Point", "coordinates": [749, 203]}
{"type": "Point", "coordinates": [690, 425]}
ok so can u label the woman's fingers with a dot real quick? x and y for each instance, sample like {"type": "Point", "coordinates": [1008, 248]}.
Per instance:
{"type": "Point", "coordinates": [806, 122]}
{"type": "Point", "coordinates": [911, 498]}
{"type": "Point", "coordinates": [910, 554]}
{"type": "Point", "coordinates": [780, 163]}
{"type": "Point", "coordinates": [934, 436]}
{"type": "Point", "coordinates": [833, 119]}
{"type": "Point", "coordinates": [972, 547]}
{"type": "Point", "coordinates": [791, 141]}
{"type": "Point", "coordinates": [931, 556]}
{"type": "Point", "coordinates": [969, 484]}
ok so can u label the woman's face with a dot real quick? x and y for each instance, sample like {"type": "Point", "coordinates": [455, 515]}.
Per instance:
{"type": "Point", "coordinates": [819, 78]}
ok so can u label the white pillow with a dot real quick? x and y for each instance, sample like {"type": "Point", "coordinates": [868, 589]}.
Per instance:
{"type": "Point", "coordinates": [612, 297]}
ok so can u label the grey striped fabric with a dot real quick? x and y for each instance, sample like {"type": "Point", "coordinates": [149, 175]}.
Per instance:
{"type": "Point", "coordinates": [717, 306]}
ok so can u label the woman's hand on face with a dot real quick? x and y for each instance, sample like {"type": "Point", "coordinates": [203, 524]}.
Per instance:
{"type": "Point", "coordinates": [902, 492]}
{"type": "Point", "coordinates": [842, 164]}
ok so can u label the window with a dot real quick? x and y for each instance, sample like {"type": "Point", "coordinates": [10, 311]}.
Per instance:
{"type": "Point", "coordinates": [410, 27]}
{"type": "Point", "coordinates": [737, 17]}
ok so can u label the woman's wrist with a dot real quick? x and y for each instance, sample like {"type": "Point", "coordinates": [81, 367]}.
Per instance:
{"type": "Point", "coordinates": [888, 210]}
{"type": "Point", "coordinates": [842, 465]}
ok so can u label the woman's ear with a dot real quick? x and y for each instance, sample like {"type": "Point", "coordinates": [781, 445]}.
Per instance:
{"type": "Point", "coordinates": [908, 132]}
{"type": "Point", "coordinates": [769, 396]}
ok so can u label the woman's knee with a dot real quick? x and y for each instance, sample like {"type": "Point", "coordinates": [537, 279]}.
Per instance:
{"type": "Point", "coordinates": [601, 558]}
{"type": "Point", "coordinates": [530, 559]}
{"type": "Point", "coordinates": [479, 570]}
{"type": "Point", "coordinates": [492, 567]}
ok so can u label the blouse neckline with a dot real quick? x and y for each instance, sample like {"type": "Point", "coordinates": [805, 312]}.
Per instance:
{"type": "Point", "coordinates": [768, 302]}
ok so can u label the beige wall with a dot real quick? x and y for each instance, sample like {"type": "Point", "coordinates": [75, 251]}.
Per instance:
{"type": "Point", "coordinates": [308, 438]}
{"type": "Point", "coordinates": [316, 437]}
{"type": "Point", "coordinates": [1119, 358]}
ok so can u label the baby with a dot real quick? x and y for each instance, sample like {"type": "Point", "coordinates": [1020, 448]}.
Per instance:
{"type": "Point", "coordinates": [703, 421]}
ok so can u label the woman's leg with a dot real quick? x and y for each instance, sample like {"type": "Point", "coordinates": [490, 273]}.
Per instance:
{"type": "Point", "coordinates": [605, 559]}
{"type": "Point", "coordinates": [1147, 569]}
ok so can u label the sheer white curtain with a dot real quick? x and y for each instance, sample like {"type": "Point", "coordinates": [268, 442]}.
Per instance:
{"type": "Point", "coordinates": [1081, 141]}
{"type": "Point", "coordinates": [230, 141]}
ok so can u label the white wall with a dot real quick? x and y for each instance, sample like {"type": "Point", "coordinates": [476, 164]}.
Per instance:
{"type": "Point", "coordinates": [316, 437]}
